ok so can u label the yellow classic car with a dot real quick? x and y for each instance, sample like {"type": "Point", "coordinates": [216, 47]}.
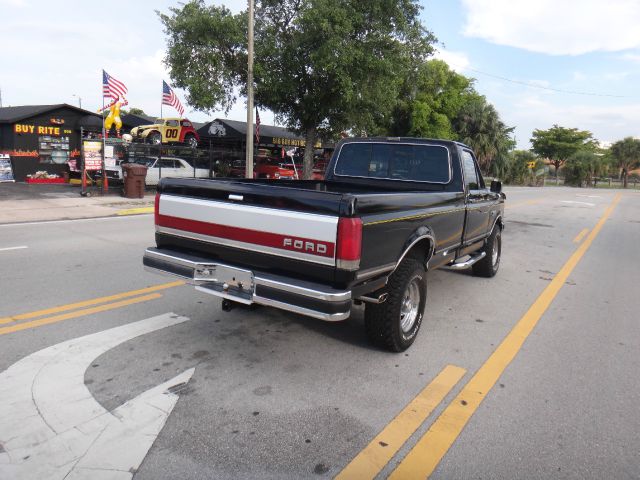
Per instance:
{"type": "Point", "coordinates": [166, 131]}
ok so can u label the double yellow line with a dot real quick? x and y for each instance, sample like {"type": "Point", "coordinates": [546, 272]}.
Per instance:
{"type": "Point", "coordinates": [429, 450]}
{"type": "Point", "coordinates": [102, 304]}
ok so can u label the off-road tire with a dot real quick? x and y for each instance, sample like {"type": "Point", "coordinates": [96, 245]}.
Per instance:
{"type": "Point", "coordinates": [489, 265]}
{"type": "Point", "coordinates": [383, 321]}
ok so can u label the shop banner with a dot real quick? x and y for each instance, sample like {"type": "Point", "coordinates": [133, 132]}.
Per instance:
{"type": "Point", "coordinates": [92, 155]}
{"type": "Point", "coordinates": [6, 171]}
{"type": "Point", "coordinates": [109, 157]}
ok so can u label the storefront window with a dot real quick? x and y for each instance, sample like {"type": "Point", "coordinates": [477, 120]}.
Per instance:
{"type": "Point", "coordinates": [53, 149]}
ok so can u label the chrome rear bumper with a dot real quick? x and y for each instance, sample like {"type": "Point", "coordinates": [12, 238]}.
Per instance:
{"type": "Point", "coordinates": [245, 286]}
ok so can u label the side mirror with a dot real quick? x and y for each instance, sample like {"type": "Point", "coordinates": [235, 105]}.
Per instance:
{"type": "Point", "coordinates": [496, 186]}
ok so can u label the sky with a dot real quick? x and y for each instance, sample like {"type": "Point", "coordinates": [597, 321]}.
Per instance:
{"type": "Point", "coordinates": [575, 63]}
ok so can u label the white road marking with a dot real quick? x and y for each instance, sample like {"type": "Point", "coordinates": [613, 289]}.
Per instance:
{"type": "Point", "coordinates": [13, 248]}
{"type": "Point", "coordinates": [588, 196]}
{"type": "Point", "coordinates": [579, 203]}
{"type": "Point", "coordinates": [52, 427]}
{"type": "Point", "coordinates": [72, 220]}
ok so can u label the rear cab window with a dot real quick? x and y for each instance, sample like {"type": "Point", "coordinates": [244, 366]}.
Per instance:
{"type": "Point", "coordinates": [408, 162]}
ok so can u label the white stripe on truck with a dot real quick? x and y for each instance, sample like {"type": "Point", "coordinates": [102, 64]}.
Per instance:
{"type": "Point", "coordinates": [308, 225]}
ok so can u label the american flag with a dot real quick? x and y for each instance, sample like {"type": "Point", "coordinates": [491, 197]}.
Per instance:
{"type": "Point", "coordinates": [111, 87]}
{"type": "Point", "coordinates": [257, 126]}
{"type": "Point", "coordinates": [169, 98]}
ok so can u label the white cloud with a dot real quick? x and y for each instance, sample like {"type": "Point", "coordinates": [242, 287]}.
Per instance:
{"type": "Point", "coordinates": [579, 77]}
{"type": "Point", "coordinates": [616, 76]}
{"type": "Point", "coordinates": [13, 3]}
{"type": "Point", "coordinates": [607, 122]}
{"type": "Point", "coordinates": [568, 27]}
{"type": "Point", "coordinates": [457, 61]}
{"type": "Point", "coordinates": [633, 57]}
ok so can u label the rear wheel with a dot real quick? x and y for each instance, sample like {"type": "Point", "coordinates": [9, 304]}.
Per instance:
{"type": "Point", "coordinates": [488, 266]}
{"type": "Point", "coordinates": [191, 141]}
{"type": "Point", "coordinates": [394, 324]}
{"type": "Point", "coordinates": [155, 138]}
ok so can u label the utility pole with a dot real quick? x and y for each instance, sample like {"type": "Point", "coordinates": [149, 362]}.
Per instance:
{"type": "Point", "coordinates": [249, 159]}
{"type": "Point", "coordinates": [0, 97]}
{"type": "Point", "coordinates": [79, 99]}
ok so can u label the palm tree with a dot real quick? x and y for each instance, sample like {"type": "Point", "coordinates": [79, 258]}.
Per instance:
{"type": "Point", "coordinates": [478, 125]}
{"type": "Point", "coordinates": [626, 154]}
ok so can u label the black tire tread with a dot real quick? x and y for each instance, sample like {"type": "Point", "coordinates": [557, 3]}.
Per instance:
{"type": "Point", "coordinates": [379, 318]}
{"type": "Point", "coordinates": [484, 268]}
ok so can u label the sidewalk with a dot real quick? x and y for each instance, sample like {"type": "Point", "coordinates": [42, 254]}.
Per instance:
{"type": "Point", "coordinates": [20, 202]}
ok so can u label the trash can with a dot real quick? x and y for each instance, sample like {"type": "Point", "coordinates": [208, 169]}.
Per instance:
{"type": "Point", "coordinates": [134, 179]}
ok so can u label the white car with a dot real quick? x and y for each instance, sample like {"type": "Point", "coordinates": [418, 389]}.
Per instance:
{"type": "Point", "coordinates": [169, 167]}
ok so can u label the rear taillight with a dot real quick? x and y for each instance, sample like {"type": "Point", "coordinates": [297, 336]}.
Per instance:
{"type": "Point", "coordinates": [156, 210]}
{"type": "Point", "coordinates": [349, 243]}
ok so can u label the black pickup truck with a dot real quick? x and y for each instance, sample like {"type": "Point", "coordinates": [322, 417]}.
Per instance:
{"type": "Point", "coordinates": [389, 210]}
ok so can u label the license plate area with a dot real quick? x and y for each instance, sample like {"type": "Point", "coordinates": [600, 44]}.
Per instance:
{"type": "Point", "coordinates": [227, 282]}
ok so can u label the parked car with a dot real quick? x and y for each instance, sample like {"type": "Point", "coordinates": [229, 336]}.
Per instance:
{"type": "Point", "coordinates": [265, 167]}
{"type": "Point", "coordinates": [169, 167]}
{"type": "Point", "coordinates": [167, 131]}
{"type": "Point", "coordinates": [388, 211]}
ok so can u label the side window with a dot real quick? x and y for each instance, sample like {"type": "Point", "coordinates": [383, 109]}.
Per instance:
{"type": "Point", "coordinates": [480, 179]}
{"type": "Point", "coordinates": [164, 163]}
{"type": "Point", "coordinates": [178, 164]}
{"type": "Point", "coordinates": [469, 167]}
{"type": "Point", "coordinates": [186, 123]}
{"type": "Point", "coordinates": [172, 123]}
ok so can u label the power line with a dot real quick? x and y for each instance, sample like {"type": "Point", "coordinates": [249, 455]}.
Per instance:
{"type": "Point", "coordinates": [542, 87]}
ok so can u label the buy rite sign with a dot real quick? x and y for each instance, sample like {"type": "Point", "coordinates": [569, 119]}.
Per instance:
{"type": "Point", "coordinates": [40, 129]}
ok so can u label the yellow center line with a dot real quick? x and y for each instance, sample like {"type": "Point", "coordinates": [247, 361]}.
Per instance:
{"type": "Point", "coordinates": [78, 313]}
{"type": "Point", "coordinates": [520, 204]}
{"type": "Point", "coordinates": [136, 211]}
{"type": "Point", "coordinates": [425, 456]}
{"type": "Point", "coordinates": [86, 303]}
{"type": "Point", "coordinates": [581, 235]}
{"type": "Point", "coordinates": [370, 461]}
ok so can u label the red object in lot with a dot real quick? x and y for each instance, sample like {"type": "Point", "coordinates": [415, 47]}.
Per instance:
{"type": "Point", "coordinates": [265, 167]}
{"type": "Point", "coordinates": [46, 180]}
{"type": "Point", "coordinates": [319, 170]}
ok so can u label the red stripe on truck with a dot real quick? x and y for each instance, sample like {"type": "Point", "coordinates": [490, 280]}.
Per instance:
{"type": "Point", "coordinates": [256, 237]}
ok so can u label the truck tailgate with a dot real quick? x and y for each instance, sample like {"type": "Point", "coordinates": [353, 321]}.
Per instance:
{"type": "Point", "coordinates": [304, 236]}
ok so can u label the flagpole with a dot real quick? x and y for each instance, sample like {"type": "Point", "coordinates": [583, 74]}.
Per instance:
{"type": "Point", "coordinates": [104, 145]}
{"type": "Point", "coordinates": [249, 159]}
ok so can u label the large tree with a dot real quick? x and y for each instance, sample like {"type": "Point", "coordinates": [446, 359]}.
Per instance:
{"type": "Point", "coordinates": [429, 102]}
{"type": "Point", "coordinates": [626, 155]}
{"type": "Point", "coordinates": [320, 65]}
{"type": "Point", "coordinates": [559, 143]}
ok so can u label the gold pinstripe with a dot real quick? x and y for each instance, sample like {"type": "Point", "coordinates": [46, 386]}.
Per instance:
{"type": "Point", "coordinates": [414, 217]}
{"type": "Point", "coordinates": [423, 215]}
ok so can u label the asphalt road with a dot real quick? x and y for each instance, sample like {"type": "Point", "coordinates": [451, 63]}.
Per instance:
{"type": "Point", "coordinates": [547, 356]}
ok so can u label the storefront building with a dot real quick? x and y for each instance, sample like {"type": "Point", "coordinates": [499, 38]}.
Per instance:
{"type": "Point", "coordinates": [44, 137]}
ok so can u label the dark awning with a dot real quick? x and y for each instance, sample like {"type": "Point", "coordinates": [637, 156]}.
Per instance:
{"type": "Point", "coordinates": [90, 122]}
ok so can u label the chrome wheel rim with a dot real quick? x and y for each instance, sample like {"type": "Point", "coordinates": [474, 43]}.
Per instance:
{"type": "Point", "coordinates": [495, 253]}
{"type": "Point", "coordinates": [410, 305]}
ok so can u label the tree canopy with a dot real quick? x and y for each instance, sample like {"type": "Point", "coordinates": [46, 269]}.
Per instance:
{"type": "Point", "coordinates": [429, 102]}
{"type": "Point", "coordinates": [478, 125]}
{"type": "Point", "coordinates": [626, 155]}
{"type": "Point", "coordinates": [320, 65]}
{"type": "Point", "coordinates": [559, 143]}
